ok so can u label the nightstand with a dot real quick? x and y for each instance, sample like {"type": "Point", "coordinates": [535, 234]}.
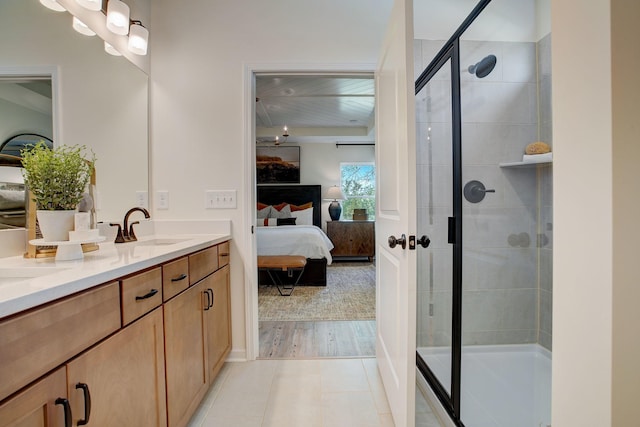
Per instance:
{"type": "Point", "coordinates": [352, 238]}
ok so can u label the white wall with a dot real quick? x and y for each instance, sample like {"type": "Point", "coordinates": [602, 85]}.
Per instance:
{"type": "Point", "coordinates": [199, 134]}
{"type": "Point", "coordinates": [595, 315]}
{"type": "Point", "coordinates": [320, 164]}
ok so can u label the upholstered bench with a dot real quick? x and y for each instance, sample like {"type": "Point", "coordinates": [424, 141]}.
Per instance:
{"type": "Point", "coordinates": [273, 264]}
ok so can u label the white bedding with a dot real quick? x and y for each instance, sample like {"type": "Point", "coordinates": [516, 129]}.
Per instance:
{"type": "Point", "coordinates": [306, 240]}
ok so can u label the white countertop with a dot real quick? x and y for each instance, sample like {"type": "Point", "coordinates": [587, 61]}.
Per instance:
{"type": "Point", "coordinates": [19, 291]}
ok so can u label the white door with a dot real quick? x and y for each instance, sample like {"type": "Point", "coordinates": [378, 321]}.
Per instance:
{"type": "Point", "coordinates": [396, 215]}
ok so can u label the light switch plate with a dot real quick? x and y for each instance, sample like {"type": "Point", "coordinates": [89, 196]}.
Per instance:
{"type": "Point", "coordinates": [220, 199]}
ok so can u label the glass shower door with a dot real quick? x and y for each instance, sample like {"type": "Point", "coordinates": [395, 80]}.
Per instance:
{"type": "Point", "coordinates": [435, 265]}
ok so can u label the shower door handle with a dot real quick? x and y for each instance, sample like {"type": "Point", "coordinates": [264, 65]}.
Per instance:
{"type": "Point", "coordinates": [424, 241]}
{"type": "Point", "coordinates": [393, 241]}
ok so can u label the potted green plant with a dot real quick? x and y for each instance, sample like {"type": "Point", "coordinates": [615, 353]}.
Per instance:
{"type": "Point", "coordinates": [57, 179]}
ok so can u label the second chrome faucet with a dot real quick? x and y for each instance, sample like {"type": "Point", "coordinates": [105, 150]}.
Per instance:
{"type": "Point", "coordinates": [125, 233]}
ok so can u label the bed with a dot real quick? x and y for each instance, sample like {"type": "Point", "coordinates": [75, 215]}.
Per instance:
{"type": "Point", "coordinates": [300, 239]}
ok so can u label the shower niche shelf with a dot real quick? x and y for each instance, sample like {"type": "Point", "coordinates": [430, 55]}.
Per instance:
{"type": "Point", "coordinates": [524, 165]}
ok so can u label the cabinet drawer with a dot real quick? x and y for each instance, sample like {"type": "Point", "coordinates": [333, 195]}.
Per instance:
{"type": "Point", "coordinates": [223, 254]}
{"type": "Point", "coordinates": [175, 278]}
{"type": "Point", "coordinates": [35, 342]}
{"type": "Point", "coordinates": [203, 263]}
{"type": "Point", "coordinates": [140, 294]}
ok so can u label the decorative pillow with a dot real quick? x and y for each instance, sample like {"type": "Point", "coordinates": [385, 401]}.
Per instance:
{"type": "Point", "coordinates": [286, 221]}
{"type": "Point", "coordinates": [303, 217]}
{"type": "Point", "coordinates": [280, 206]}
{"type": "Point", "coordinates": [266, 222]}
{"type": "Point", "coordinates": [301, 207]}
{"type": "Point", "coordinates": [262, 205]}
{"type": "Point", "coordinates": [264, 212]}
{"type": "Point", "coordinates": [285, 212]}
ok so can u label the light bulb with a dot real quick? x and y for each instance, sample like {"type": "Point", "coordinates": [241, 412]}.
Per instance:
{"type": "Point", "coordinates": [53, 5]}
{"type": "Point", "coordinates": [111, 50]}
{"type": "Point", "coordinates": [82, 28]}
{"type": "Point", "coordinates": [90, 4]}
{"type": "Point", "coordinates": [118, 17]}
{"type": "Point", "coordinates": [138, 39]}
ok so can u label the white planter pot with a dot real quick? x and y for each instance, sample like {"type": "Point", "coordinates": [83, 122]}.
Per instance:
{"type": "Point", "coordinates": [55, 225]}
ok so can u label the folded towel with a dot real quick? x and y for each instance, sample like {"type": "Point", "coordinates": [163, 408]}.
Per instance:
{"type": "Point", "coordinates": [537, 158]}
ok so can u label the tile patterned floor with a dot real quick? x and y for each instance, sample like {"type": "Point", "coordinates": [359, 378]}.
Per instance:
{"type": "Point", "coordinates": [300, 393]}
{"type": "Point", "coordinates": [296, 393]}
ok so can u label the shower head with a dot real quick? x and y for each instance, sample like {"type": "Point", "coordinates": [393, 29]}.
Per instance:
{"type": "Point", "coordinates": [484, 67]}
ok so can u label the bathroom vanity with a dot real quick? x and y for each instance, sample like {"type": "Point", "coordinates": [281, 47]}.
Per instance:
{"type": "Point", "coordinates": [132, 335]}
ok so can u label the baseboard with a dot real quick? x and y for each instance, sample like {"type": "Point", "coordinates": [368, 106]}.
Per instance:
{"type": "Point", "coordinates": [237, 355]}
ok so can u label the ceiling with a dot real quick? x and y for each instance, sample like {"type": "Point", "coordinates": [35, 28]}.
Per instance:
{"type": "Point", "coordinates": [315, 108]}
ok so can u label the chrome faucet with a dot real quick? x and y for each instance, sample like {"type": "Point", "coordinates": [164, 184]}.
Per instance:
{"type": "Point", "coordinates": [125, 233]}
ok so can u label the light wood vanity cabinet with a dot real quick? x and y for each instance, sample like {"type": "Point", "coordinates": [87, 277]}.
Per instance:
{"type": "Point", "coordinates": [35, 342]}
{"type": "Point", "coordinates": [185, 354]}
{"type": "Point", "coordinates": [141, 293]}
{"type": "Point", "coordinates": [143, 362]}
{"type": "Point", "coordinates": [36, 406]}
{"type": "Point", "coordinates": [124, 376]}
{"type": "Point", "coordinates": [197, 336]}
{"type": "Point", "coordinates": [175, 278]}
{"type": "Point", "coordinates": [218, 326]}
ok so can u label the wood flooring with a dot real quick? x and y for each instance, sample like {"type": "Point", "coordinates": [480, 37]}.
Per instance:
{"type": "Point", "coordinates": [317, 339]}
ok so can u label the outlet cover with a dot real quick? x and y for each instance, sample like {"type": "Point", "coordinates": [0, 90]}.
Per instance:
{"type": "Point", "coordinates": [162, 200]}
{"type": "Point", "coordinates": [142, 199]}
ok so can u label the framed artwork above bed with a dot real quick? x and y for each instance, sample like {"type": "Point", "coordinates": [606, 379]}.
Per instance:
{"type": "Point", "coordinates": [278, 165]}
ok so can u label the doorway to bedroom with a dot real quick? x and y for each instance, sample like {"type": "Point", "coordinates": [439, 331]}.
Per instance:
{"type": "Point", "coordinates": [315, 163]}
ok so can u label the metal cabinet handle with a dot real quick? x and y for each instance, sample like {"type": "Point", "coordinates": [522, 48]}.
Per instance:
{"type": "Point", "coordinates": [67, 410]}
{"type": "Point", "coordinates": [149, 294]}
{"type": "Point", "coordinates": [207, 306]}
{"type": "Point", "coordinates": [87, 403]}
{"type": "Point", "coordinates": [424, 241]}
{"type": "Point", "coordinates": [394, 241]}
{"type": "Point", "coordinates": [179, 278]}
{"type": "Point", "coordinates": [212, 296]}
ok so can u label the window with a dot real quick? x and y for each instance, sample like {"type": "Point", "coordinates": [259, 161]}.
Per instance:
{"type": "Point", "coordinates": [358, 181]}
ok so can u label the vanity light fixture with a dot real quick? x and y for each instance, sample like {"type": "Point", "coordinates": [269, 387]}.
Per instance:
{"type": "Point", "coordinates": [53, 5]}
{"type": "Point", "coordinates": [138, 38]}
{"type": "Point", "coordinates": [118, 17]}
{"type": "Point", "coordinates": [95, 5]}
{"type": "Point", "coordinates": [82, 28]}
{"type": "Point", "coordinates": [111, 50]}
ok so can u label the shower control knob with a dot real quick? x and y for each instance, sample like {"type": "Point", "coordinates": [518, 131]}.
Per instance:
{"type": "Point", "coordinates": [394, 241]}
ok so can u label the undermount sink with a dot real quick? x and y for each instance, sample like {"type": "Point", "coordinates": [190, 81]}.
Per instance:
{"type": "Point", "coordinates": [18, 274]}
{"type": "Point", "coordinates": [160, 241]}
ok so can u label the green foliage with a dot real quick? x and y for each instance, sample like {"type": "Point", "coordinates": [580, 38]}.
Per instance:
{"type": "Point", "coordinates": [57, 178]}
{"type": "Point", "coordinates": [359, 187]}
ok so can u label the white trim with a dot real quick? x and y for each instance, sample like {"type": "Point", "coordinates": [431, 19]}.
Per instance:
{"type": "Point", "coordinates": [249, 96]}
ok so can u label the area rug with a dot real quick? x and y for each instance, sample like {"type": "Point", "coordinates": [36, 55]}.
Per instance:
{"type": "Point", "coordinates": [350, 294]}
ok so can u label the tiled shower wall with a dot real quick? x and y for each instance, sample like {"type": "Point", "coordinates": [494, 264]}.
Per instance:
{"type": "Point", "coordinates": [506, 276]}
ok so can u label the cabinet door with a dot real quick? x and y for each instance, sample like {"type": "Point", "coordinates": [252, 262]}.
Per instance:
{"type": "Point", "coordinates": [36, 406]}
{"type": "Point", "coordinates": [339, 235]}
{"type": "Point", "coordinates": [218, 324]}
{"type": "Point", "coordinates": [185, 355]}
{"type": "Point", "coordinates": [125, 377]}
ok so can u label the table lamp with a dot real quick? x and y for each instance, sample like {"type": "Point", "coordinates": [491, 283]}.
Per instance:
{"type": "Point", "coordinates": [334, 194]}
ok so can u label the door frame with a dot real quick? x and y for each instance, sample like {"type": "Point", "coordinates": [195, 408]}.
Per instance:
{"type": "Point", "coordinates": [249, 152]}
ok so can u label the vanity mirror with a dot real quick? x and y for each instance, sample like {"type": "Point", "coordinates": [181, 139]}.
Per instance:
{"type": "Point", "coordinates": [96, 99]}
